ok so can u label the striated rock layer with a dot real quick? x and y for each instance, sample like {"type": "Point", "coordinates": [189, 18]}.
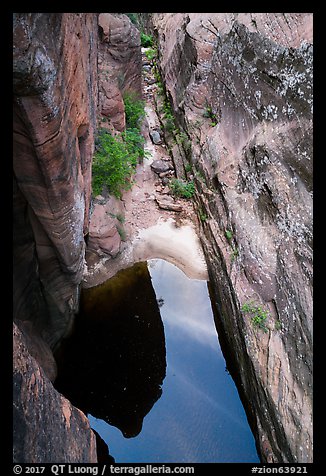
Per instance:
{"type": "Point", "coordinates": [55, 103]}
{"type": "Point", "coordinates": [241, 89]}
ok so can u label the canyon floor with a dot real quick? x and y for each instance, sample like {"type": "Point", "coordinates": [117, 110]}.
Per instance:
{"type": "Point", "coordinates": [153, 224]}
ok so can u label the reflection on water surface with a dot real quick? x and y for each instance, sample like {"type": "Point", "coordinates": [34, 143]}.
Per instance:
{"type": "Point", "coordinates": [199, 416]}
{"type": "Point", "coordinates": [113, 365]}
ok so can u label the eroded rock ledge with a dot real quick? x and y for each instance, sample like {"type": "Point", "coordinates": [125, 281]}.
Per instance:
{"type": "Point", "coordinates": [47, 428]}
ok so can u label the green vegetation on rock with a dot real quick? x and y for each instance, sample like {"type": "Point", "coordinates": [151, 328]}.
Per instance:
{"type": "Point", "coordinates": [134, 110]}
{"type": "Point", "coordinates": [116, 156]}
{"type": "Point", "coordinates": [182, 189]}
{"type": "Point", "coordinates": [114, 163]}
{"type": "Point", "coordinates": [258, 315]}
{"type": "Point", "coordinates": [146, 41]}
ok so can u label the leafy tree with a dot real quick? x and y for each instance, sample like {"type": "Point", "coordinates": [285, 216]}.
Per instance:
{"type": "Point", "coordinates": [117, 156]}
{"type": "Point", "coordinates": [114, 163]}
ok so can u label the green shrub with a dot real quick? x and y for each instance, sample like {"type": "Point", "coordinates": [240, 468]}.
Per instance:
{"type": "Point", "coordinates": [208, 113]}
{"type": "Point", "coordinates": [146, 41]}
{"type": "Point", "coordinates": [116, 157]}
{"type": "Point", "coordinates": [122, 233]}
{"type": "Point", "coordinates": [182, 139]}
{"type": "Point", "coordinates": [134, 110]}
{"type": "Point", "coordinates": [118, 216]}
{"type": "Point", "coordinates": [228, 235]}
{"type": "Point", "coordinates": [200, 176]}
{"type": "Point", "coordinates": [169, 123]}
{"type": "Point", "coordinates": [135, 142]}
{"type": "Point", "coordinates": [235, 253]}
{"type": "Point", "coordinates": [182, 189]}
{"type": "Point", "coordinates": [168, 117]}
{"type": "Point", "coordinates": [257, 314]}
{"type": "Point", "coordinates": [202, 215]}
{"type": "Point", "coordinates": [151, 54]}
{"type": "Point", "coordinates": [235, 250]}
{"type": "Point", "coordinates": [114, 162]}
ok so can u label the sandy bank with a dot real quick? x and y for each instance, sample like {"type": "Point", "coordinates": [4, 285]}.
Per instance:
{"type": "Point", "coordinates": [178, 245]}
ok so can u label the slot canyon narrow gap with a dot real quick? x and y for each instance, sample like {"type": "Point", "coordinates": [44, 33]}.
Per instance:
{"type": "Point", "coordinates": [163, 268]}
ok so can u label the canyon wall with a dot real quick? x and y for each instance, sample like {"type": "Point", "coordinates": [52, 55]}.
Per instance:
{"type": "Point", "coordinates": [241, 89]}
{"type": "Point", "coordinates": [70, 70]}
{"type": "Point", "coordinates": [119, 72]}
{"type": "Point", "coordinates": [55, 105]}
{"type": "Point", "coordinates": [119, 59]}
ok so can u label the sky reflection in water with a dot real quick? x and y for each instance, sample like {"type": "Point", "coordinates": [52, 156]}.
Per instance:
{"type": "Point", "coordinates": [199, 417]}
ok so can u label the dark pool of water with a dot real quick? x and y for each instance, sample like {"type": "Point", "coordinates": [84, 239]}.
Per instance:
{"type": "Point", "coordinates": [181, 404]}
{"type": "Point", "coordinates": [114, 363]}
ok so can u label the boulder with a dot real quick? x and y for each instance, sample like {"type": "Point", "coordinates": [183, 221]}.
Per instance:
{"type": "Point", "coordinates": [161, 166]}
{"type": "Point", "coordinates": [155, 134]}
{"type": "Point", "coordinates": [168, 203]}
{"type": "Point", "coordinates": [103, 231]}
{"type": "Point", "coordinates": [112, 106]}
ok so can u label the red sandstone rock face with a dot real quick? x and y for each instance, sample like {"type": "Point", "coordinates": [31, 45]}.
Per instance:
{"type": "Point", "coordinates": [55, 101]}
{"type": "Point", "coordinates": [241, 87]}
{"type": "Point", "coordinates": [38, 348]}
{"type": "Point", "coordinates": [104, 228]}
{"type": "Point", "coordinates": [119, 67]}
{"type": "Point", "coordinates": [47, 428]}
